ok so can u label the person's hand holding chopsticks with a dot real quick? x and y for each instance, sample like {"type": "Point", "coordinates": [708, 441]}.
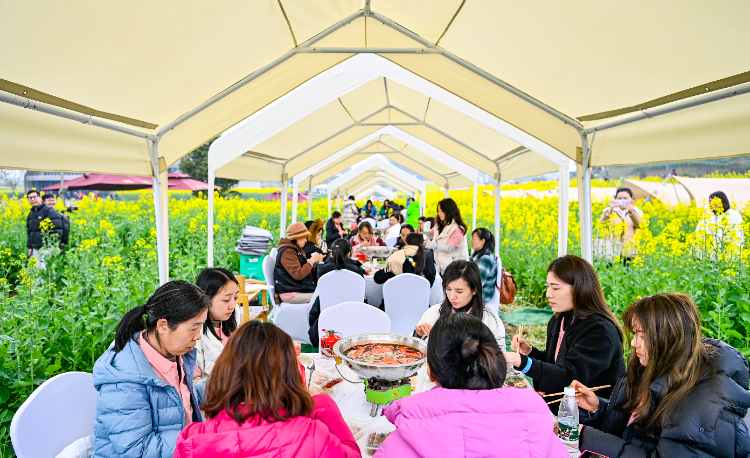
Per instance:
{"type": "Point", "coordinates": [518, 344]}
{"type": "Point", "coordinates": [587, 399]}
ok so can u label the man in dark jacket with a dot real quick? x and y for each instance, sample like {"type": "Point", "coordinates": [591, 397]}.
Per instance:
{"type": "Point", "coordinates": [708, 423]}
{"type": "Point", "coordinates": [40, 212]}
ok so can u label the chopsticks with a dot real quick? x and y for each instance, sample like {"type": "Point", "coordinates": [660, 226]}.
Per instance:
{"type": "Point", "coordinates": [577, 394]}
{"type": "Point", "coordinates": [520, 331]}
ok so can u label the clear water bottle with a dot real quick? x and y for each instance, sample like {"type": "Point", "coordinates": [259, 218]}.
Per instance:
{"type": "Point", "coordinates": [567, 419]}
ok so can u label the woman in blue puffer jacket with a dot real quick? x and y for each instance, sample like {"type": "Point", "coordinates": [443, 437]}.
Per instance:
{"type": "Point", "coordinates": [145, 380]}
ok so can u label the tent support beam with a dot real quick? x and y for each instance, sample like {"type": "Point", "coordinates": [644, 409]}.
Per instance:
{"type": "Point", "coordinates": [584, 185]}
{"type": "Point", "coordinates": [295, 200]}
{"type": "Point", "coordinates": [474, 207]}
{"type": "Point", "coordinates": [210, 219]}
{"type": "Point", "coordinates": [497, 210]}
{"type": "Point", "coordinates": [309, 199]}
{"type": "Point", "coordinates": [672, 107]}
{"type": "Point", "coordinates": [23, 102]}
{"type": "Point", "coordinates": [153, 149]}
{"type": "Point", "coordinates": [284, 185]}
{"type": "Point", "coordinates": [562, 216]}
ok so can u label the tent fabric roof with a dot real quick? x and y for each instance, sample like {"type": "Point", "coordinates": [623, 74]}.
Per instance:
{"type": "Point", "coordinates": [142, 66]}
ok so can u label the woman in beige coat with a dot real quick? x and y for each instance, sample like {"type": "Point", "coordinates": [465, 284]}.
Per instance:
{"type": "Point", "coordinates": [623, 209]}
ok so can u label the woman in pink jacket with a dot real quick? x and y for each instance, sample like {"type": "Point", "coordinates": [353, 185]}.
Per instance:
{"type": "Point", "coordinates": [257, 405]}
{"type": "Point", "coordinates": [469, 414]}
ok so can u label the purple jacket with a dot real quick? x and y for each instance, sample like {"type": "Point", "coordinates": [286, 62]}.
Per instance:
{"type": "Point", "coordinates": [467, 423]}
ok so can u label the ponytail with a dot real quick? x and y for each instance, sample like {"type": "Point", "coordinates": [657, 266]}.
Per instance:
{"type": "Point", "coordinates": [420, 258]}
{"type": "Point", "coordinates": [175, 301]}
{"type": "Point", "coordinates": [340, 249]}
{"type": "Point", "coordinates": [464, 355]}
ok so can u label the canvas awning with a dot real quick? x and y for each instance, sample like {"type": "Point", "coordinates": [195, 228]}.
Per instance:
{"type": "Point", "coordinates": [136, 75]}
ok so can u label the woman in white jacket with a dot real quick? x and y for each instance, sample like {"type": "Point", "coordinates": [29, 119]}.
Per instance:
{"type": "Point", "coordinates": [450, 242]}
{"type": "Point", "coordinates": [222, 288]}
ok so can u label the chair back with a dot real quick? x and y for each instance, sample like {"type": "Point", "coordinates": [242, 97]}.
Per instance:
{"type": "Point", "coordinates": [406, 298]}
{"type": "Point", "coordinates": [494, 303]}
{"type": "Point", "coordinates": [437, 295]}
{"type": "Point", "coordinates": [268, 264]}
{"type": "Point", "coordinates": [352, 318]}
{"type": "Point", "coordinates": [383, 224]}
{"type": "Point", "coordinates": [58, 413]}
{"type": "Point", "coordinates": [273, 252]}
{"type": "Point", "coordinates": [340, 286]}
{"type": "Point", "coordinates": [369, 220]}
{"type": "Point", "coordinates": [391, 241]}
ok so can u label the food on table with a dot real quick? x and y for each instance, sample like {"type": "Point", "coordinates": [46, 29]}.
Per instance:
{"type": "Point", "coordinates": [386, 354]}
{"type": "Point", "coordinates": [520, 384]}
{"type": "Point", "coordinates": [374, 441]}
{"type": "Point", "coordinates": [356, 427]}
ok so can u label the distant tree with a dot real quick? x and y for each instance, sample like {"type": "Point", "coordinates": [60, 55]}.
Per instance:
{"type": "Point", "coordinates": [195, 164]}
{"type": "Point", "coordinates": [11, 178]}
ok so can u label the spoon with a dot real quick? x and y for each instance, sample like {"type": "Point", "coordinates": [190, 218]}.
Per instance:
{"type": "Point", "coordinates": [309, 365]}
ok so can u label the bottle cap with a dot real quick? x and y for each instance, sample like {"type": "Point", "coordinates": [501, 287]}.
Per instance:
{"type": "Point", "coordinates": [570, 391]}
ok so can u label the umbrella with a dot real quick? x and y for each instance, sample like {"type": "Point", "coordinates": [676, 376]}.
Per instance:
{"type": "Point", "coordinates": [276, 195]}
{"type": "Point", "coordinates": [183, 182]}
{"type": "Point", "coordinates": [100, 182]}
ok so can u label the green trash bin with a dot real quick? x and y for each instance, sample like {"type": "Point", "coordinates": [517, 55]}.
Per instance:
{"type": "Point", "coordinates": [252, 267]}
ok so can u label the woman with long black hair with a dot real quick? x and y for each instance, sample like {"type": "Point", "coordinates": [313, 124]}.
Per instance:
{"type": "Point", "coordinates": [223, 289]}
{"type": "Point", "coordinates": [145, 380]}
{"type": "Point", "coordinates": [483, 244]}
{"type": "Point", "coordinates": [339, 258]}
{"type": "Point", "coordinates": [683, 396]}
{"type": "Point", "coordinates": [584, 339]}
{"type": "Point", "coordinates": [450, 242]}
{"type": "Point", "coordinates": [462, 284]}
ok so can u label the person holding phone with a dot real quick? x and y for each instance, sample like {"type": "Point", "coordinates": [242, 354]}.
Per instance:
{"type": "Point", "coordinates": [623, 209]}
{"type": "Point", "coordinates": [682, 396]}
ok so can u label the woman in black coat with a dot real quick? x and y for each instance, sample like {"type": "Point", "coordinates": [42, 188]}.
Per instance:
{"type": "Point", "coordinates": [339, 259]}
{"type": "Point", "coordinates": [334, 228]}
{"type": "Point", "coordinates": [683, 396]}
{"type": "Point", "coordinates": [413, 259]}
{"type": "Point", "coordinates": [584, 339]}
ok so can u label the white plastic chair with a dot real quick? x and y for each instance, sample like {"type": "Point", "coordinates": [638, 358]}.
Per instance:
{"type": "Point", "coordinates": [494, 303]}
{"type": "Point", "coordinates": [437, 295]}
{"type": "Point", "coordinates": [352, 318]}
{"type": "Point", "coordinates": [59, 412]}
{"type": "Point", "coordinates": [340, 286]}
{"type": "Point", "coordinates": [273, 252]}
{"type": "Point", "coordinates": [391, 241]}
{"type": "Point", "coordinates": [406, 297]}
{"type": "Point", "coordinates": [294, 319]}
{"type": "Point", "coordinates": [383, 224]}
{"type": "Point", "coordinates": [369, 220]}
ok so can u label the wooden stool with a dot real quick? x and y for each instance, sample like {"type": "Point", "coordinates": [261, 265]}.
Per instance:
{"type": "Point", "coordinates": [243, 300]}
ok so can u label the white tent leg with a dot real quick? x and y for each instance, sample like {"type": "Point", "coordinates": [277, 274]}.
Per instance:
{"type": "Point", "coordinates": [164, 179]}
{"type": "Point", "coordinates": [474, 207]}
{"type": "Point", "coordinates": [585, 204]}
{"type": "Point", "coordinates": [284, 184]}
{"type": "Point", "coordinates": [309, 199]}
{"type": "Point", "coordinates": [329, 203]}
{"type": "Point", "coordinates": [562, 218]}
{"type": "Point", "coordinates": [210, 219]}
{"type": "Point", "coordinates": [158, 212]}
{"type": "Point", "coordinates": [497, 211]}
{"type": "Point", "coordinates": [295, 200]}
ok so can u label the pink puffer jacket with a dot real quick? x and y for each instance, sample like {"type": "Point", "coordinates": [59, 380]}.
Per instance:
{"type": "Point", "coordinates": [323, 434]}
{"type": "Point", "coordinates": [466, 423]}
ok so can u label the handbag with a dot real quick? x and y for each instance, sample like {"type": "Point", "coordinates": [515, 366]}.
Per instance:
{"type": "Point", "coordinates": [507, 287]}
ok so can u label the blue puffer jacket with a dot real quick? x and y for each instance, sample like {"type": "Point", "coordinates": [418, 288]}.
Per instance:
{"type": "Point", "coordinates": [138, 414]}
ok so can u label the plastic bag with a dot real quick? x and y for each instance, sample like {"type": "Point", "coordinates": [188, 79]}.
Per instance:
{"type": "Point", "coordinates": [325, 376]}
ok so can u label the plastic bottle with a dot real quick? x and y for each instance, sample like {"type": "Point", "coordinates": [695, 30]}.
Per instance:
{"type": "Point", "coordinates": [567, 419]}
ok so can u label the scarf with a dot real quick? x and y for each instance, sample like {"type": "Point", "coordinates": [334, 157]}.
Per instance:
{"type": "Point", "coordinates": [395, 262]}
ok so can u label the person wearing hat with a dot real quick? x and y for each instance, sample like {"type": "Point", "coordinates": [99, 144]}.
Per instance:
{"type": "Point", "coordinates": [295, 274]}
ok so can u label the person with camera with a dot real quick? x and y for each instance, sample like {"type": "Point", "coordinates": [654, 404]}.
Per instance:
{"type": "Point", "coordinates": [623, 209]}
{"type": "Point", "coordinates": [35, 236]}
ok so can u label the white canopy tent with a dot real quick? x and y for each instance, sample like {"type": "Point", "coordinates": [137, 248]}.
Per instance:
{"type": "Point", "coordinates": [376, 190]}
{"type": "Point", "coordinates": [685, 98]}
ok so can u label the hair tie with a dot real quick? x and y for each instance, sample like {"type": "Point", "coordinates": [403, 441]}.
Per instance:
{"type": "Point", "coordinates": [143, 310]}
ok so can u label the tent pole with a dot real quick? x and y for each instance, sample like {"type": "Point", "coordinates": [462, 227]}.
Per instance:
{"type": "Point", "coordinates": [447, 184]}
{"type": "Point", "coordinates": [309, 199]}
{"type": "Point", "coordinates": [154, 153]}
{"type": "Point", "coordinates": [210, 223]}
{"type": "Point", "coordinates": [164, 180]}
{"type": "Point", "coordinates": [338, 199]}
{"type": "Point", "coordinates": [585, 204]}
{"type": "Point", "coordinates": [295, 199]}
{"type": "Point", "coordinates": [562, 216]}
{"type": "Point", "coordinates": [329, 203]}
{"type": "Point", "coordinates": [474, 207]}
{"type": "Point", "coordinates": [497, 210]}
{"type": "Point", "coordinates": [284, 184]}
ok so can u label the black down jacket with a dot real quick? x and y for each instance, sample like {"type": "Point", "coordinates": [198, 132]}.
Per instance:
{"type": "Point", "coordinates": [33, 226]}
{"type": "Point", "coordinates": [707, 423]}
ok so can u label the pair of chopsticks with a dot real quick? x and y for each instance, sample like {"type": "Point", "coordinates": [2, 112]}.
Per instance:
{"type": "Point", "coordinates": [577, 393]}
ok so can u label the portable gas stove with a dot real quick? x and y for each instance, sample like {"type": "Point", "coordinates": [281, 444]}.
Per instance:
{"type": "Point", "coordinates": [383, 383]}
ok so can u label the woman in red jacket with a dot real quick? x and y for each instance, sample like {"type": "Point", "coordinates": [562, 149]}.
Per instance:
{"type": "Point", "coordinates": [256, 404]}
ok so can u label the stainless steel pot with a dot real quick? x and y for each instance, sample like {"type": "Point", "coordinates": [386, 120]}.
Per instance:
{"type": "Point", "coordinates": [381, 371]}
